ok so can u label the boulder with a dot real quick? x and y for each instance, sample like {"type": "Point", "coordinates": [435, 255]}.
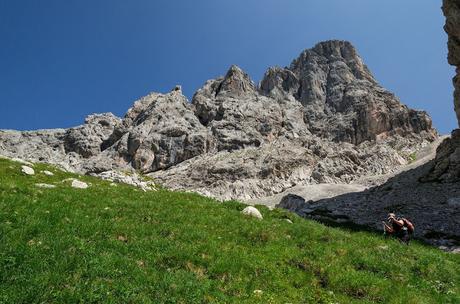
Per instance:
{"type": "Point", "coordinates": [27, 170]}
{"type": "Point", "coordinates": [252, 211]}
{"type": "Point", "coordinates": [79, 184]}
{"type": "Point", "coordinates": [291, 202]}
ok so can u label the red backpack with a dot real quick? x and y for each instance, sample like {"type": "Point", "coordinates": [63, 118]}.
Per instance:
{"type": "Point", "coordinates": [408, 224]}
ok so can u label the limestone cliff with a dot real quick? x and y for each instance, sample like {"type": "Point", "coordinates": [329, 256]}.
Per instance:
{"type": "Point", "coordinates": [323, 119]}
{"type": "Point", "coordinates": [447, 165]}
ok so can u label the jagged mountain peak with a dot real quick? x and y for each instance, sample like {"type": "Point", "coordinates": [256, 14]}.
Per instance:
{"type": "Point", "coordinates": [335, 48]}
{"type": "Point", "coordinates": [236, 83]}
{"type": "Point", "coordinates": [330, 56]}
{"type": "Point", "coordinates": [305, 123]}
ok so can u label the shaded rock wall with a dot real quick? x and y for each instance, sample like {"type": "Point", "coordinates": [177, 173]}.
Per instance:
{"type": "Point", "coordinates": [446, 168]}
{"type": "Point", "coordinates": [451, 9]}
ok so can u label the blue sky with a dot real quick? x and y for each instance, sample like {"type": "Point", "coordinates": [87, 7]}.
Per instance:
{"type": "Point", "coordinates": [62, 60]}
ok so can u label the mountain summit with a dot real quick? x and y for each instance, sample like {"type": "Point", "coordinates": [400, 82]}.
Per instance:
{"type": "Point", "coordinates": [322, 119]}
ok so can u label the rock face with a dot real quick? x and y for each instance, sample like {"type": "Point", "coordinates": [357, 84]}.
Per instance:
{"type": "Point", "coordinates": [292, 202]}
{"type": "Point", "coordinates": [323, 119]}
{"type": "Point", "coordinates": [451, 9]}
{"type": "Point", "coordinates": [342, 100]}
{"type": "Point", "coordinates": [446, 168]}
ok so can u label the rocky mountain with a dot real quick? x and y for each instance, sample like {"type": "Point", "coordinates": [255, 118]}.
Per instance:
{"type": "Point", "coordinates": [323, 119]}
{"type": "Point", "coordinates": [428, 194]}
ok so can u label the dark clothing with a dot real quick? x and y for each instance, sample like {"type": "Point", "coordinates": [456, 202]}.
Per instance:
{"type": "Point", "coordinates": [400, 231]}
{"type": "Point", "coordinates": [403, 235]}
{"type": "Point", "coordinates": [396, 226]}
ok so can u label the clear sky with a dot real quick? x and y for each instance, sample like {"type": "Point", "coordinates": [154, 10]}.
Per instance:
{"type": "Point", "coordinates": [62, 60]}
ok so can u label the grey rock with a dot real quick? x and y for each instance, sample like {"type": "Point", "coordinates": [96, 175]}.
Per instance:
{"type": "Point", "coordinates": [291, 202]}
{"type": "Point", "coordinates": [451, 9]}
{"type": "Point", "coordinates": [88, 140]}
{"type": "Point", "coordinates": [343, 101]}
{"type": "Point", "coordinates": [48, 173]}
{"type": "Point", "coordinates": [21, 161]}
{"type": "Point", "coordinates": [27, 170]}
{"type": "Point", "coordinates": [163, 131]}
{"type": "Point", "coordinates": [236, 83]}
{"type": "Point", "coordinates": [46, 186]}
{"type": "Point", "coordinates": [256, 172]}
{"type": "Point", "coordinates": [79, 184]}
{"type": "Point", "coordinates": [446, 168]}
{"type": "Point", "coordinates": [279, 83]}
{"type": "Point", "coordinates": [252, 211]}
{"type": "Point", "coordinates": [323, 119]}
{"type": "Point", "coordinates": [132, 179]}
{"type": "Point", "coordinates": [454, 201]}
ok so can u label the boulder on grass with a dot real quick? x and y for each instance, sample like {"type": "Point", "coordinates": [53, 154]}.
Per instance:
{"type": "Point", "coordinates": [251, 211]}
{"type": "Point", "coordinates": [79, 184]}
{"type": "Point", "coordinates": [27, 170]}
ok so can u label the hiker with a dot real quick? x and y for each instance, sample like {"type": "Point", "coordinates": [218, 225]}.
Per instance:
{"type": "Point", "coordinates": [401, 228]}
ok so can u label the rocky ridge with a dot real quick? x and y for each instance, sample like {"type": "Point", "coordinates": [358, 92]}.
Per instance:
{"type": "Point", "coordinates": [323, 119]}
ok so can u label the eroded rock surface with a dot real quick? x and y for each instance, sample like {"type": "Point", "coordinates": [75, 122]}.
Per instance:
{"type": "Point", "coordinates": [430, 206]}
{"type": "Point", "coordinates": [446, 168]}
{"type": "Point", "coordinates": [451, 9]}
{"type": "Point", "coordinates": [323, 119]}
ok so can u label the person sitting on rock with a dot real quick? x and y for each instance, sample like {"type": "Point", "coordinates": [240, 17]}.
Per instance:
{"type": "Point", "coordinates": [399, 227]}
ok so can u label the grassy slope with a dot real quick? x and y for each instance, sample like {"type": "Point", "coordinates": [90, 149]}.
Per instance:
{"type": "Point", "coordinates": [121, 245]}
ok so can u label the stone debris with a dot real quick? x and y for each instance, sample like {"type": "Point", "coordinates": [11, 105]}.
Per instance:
{"type": "Point", "coordinates": [131, 178]}
{"type": "Point", "coordinates": [27, 170]}
{"type": "Point", "coordinates": [48, 173]}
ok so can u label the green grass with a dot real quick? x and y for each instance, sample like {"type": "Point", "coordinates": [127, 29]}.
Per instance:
{"type": "Point", "coordinates": [118, 244]}
{"type": "Point", "coordinates": [412, 157]}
